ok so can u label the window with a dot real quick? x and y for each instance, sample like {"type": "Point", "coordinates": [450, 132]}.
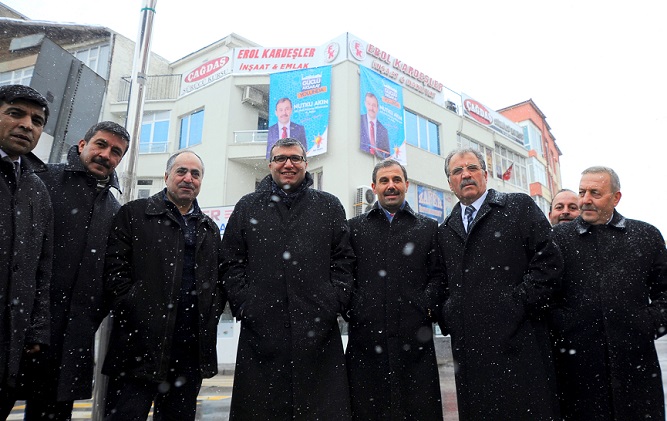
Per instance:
{"type": "Point", "coordinates": [464, 141]}
{"type": "Point", "coordinates": [421, 132]}
{"type": "Point", "coordinates": [532, 137]}
{"type": "Point", "coordinates": [17, 77]}
{"type": "Point", "coordinates": [543, 204]}
{"type": "Point", "coordinates": [97, 58]}
{"type": "Point", "coordinates": [538, 172]}
{"type": "Point", "coordinates": [506, 158]}
{"type": "Point", "coordinates": [192, 126]}
{"type": "Point", "coordinates": [154, 132]}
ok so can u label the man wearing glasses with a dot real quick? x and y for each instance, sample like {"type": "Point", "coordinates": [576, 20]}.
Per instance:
{"type": "Point", "coordinates": [288, 263]}
{"type": "Point", "coordinates": [502, 271]}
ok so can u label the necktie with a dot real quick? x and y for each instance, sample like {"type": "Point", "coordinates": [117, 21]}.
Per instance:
{"type": "Point", "coordinates": [11, 176]}
{"type": "Point", "coordinates": [284, 135]}
{"type": "Point", "coordinates": [372, 147]}
{"type": "Point", "coordinates": [469, 211]}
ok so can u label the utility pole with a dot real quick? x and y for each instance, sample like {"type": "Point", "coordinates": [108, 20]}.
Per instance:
{"type": "Point", "coordinates": [135, 110]}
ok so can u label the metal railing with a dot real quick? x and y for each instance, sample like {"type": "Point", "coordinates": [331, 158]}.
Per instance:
{"type": "Point", "coordinates": [157, 87]}
{"type": "Point", "coordinates": [251, 136]}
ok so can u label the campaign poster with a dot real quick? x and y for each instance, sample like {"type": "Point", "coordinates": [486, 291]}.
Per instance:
{"type": "Point", "coordinates": [381, 105]}
{"type": "Point", "coordinates": [299, 108]}
{"type": "Point", "coordinates": [431, 203]}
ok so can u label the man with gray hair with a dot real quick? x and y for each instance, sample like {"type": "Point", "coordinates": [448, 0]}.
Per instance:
{"type": "Point", "coordinates": [612, 306]}
{"type": "Point", "coordinates": [161, 274]}
{"type": "Point", "coordinates": [502, 271]}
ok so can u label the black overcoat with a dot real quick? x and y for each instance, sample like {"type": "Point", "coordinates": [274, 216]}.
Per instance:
{"type": "Point", "coordinates": [499, 279]}
{"type": "Point", "coordinates": [143, 269]}
{"type": "Point", "coordinates": [289, 275]}
{"type": "Point", "coordinates": [26, 252]}
{"type": "Point", "coordinates": [612, 307]}
{"type": "Point", "coordinates": [398, 285]}
{"type": "Point", "coordinates": [82, 219]}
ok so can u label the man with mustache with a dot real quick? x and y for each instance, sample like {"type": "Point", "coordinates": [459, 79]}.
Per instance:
{"type": "Point", "coordinates": [564, 207]}
{"type": "Point", "coordinates": [390, 353]}
{"type": "Point", "coordinates": [612, 307]}
{"type": "Point", "coordinates": [83, 207]}
{"type": "Point", "coordinates": [26, 238]}
{"type": "Point", "coordinates": [502, 271]}
{"type": "Point", "coordinates": [162, 276]}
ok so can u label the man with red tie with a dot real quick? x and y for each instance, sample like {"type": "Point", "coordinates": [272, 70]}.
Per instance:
{"type": "Point", "coordinates": [285, 128]}
{"type": "Point", "coordinates": [374, 136]}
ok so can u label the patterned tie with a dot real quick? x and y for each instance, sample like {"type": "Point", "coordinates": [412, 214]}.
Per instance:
{"type": "Point", "coordinates": [469, 211]}
{"type": "Point", "coordinates": [284, 133]}
{"type": "Point", "coordinates": [372, 148]}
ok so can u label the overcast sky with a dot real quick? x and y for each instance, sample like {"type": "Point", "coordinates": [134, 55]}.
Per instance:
{"type": "Point", "coordinates": [597, 69]}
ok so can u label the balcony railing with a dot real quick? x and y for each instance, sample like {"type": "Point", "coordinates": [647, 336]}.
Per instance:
{"type": "Point", "coordinates": [251, 136]}
{"type": "Point", "coordinates": [158, 87]}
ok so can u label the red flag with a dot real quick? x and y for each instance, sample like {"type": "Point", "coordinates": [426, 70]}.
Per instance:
{"type": "Point", "coordinates": [508, 174]}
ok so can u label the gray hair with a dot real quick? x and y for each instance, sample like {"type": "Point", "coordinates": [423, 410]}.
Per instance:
{"type": "Point", "coordinates": [388, 163]}
{"type": "Point", "coordinates": [615, 181]}
{"type": "Point", "coordinates": [463, 151]}
{"type": "Point", "coordinates": [170, 161]}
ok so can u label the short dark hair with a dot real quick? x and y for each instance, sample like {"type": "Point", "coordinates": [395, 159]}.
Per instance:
{"type": "Point", "coordinates": [286, 143]}
{"type": "Point", "coordinates": [464, 151]}
{"type": "Point", "coordinates": [170, 161]}
{"type": "Point", "coordinates": [11, 93]}
{"type": "Point", "coordinates": [107, 126]}
{"type": "Point", "coordinates": [557, 193]}
{"type": "Point", "coordinates": [388, 163]}
{"type": "Point", "coordinates": [285, 99]}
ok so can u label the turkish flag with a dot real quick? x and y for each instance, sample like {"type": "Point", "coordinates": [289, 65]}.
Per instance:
{"type": "Point", "coordinates": [508, 174]}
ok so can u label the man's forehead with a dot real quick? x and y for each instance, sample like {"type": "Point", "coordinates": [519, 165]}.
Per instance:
{"type": "Point", "coordinates": [464, 159]}
{"type": "Point", "coordinates": [28, 106]}
{"type": "Point", "coordinates": [390, 171]}
{"type": "Point", "coordinates": [287, 150]}
{"type": "Point", "coordinates": [594, 180]}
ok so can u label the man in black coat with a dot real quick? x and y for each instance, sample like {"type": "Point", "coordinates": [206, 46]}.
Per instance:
{"type": "Point", "coordinates": [502, 272]}
{"type": "Point", "coordinates": [26, 238]}
{"type": "Point", "coordinates": [162, 274]}
{"type": "Point", "coordinates": [83, 208]}
{"type": "Point", "coordinates": [289, 274]}
{"type": "Point", "coordinates": [612, 307]}
{"type": "Point", "coordinates": [398, 284]}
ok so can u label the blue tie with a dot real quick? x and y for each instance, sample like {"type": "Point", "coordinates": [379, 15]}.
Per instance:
{"type": "Point", "coordinates": [469, 211]}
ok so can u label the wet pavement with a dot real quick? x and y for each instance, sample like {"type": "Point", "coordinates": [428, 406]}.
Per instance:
{"type": "Point", "coordinates": [215, 396]}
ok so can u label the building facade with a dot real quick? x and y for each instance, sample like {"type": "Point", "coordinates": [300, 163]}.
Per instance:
{"type": "Point", "coordinates": [220, 102]}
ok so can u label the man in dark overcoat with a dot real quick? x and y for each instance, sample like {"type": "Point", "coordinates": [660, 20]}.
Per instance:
{"type": "Point", "coordinates": [26, 238]}
{"type": "Point", "coordinates": [398, 285]}
{"type": "Point", "coordinates": [612, 307]}
{"type": "Point", "coordinates": [289, 275]}
{"type": "Point", "coordinates": [162, 273]}
{"type": "Point", "coordinates": [83, 208]}
{"type": "Point", "coordinates": [502, 271]}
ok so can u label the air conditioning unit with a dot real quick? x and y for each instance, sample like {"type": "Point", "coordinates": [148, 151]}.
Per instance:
{"type": "Point", "coordinates": [364, 199]}
{"type": "Point", "coordinates": [252, 96]}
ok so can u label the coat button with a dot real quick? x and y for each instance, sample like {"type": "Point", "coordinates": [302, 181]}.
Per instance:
{"type": "Point", "coordinates": [286, 324]}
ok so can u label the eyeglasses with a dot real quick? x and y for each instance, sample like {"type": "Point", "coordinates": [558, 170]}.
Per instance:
{"type": "Point", "coordinates": [472, 168]}
{"type": "Point", "coordinates": [281, 159]}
